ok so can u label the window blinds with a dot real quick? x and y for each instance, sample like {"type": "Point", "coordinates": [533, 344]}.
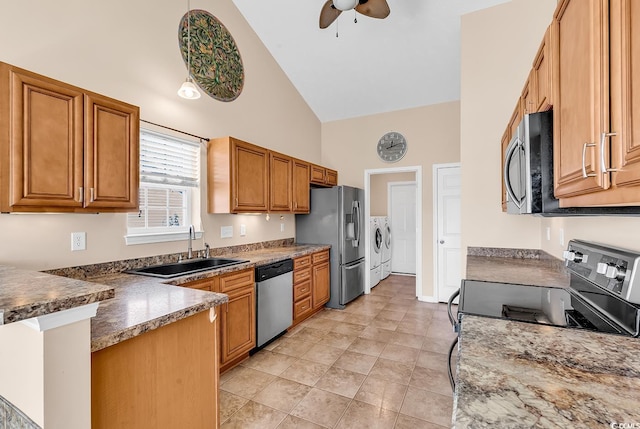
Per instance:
{"type": "Point", "coordinates": [168, 160]}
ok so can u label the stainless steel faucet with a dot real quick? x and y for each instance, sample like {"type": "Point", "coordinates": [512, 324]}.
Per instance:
{"type": "Point", "coordinates": [207, 250]}
{"type": "Point", "coordinates": [192, 235]}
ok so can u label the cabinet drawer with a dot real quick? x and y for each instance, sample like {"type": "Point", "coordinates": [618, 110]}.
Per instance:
{"type": "Point", "coordinates": [320, 257]}
{"type": "Point", "coordinates": [301, 262]}
{"type": "Point", "coordinates": [232, 281]}
{"type": "Point", "coordinates": [301, 275]}
{"type": "Point", "coordinates": [301, 290]}
{"type": "Point", "coordinates": [204, 284]}
{"type": "Point", "coordinates": [302, 307]}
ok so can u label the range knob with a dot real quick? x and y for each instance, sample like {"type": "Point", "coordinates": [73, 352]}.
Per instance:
{"type": "Point", "coordinates": [611, 271]}
{"type": "Point", "coordinates": [572, 256]}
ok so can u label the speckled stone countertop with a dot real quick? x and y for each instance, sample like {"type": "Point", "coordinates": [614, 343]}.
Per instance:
{"type": "Point", "coordinates": [25, 294]}
{"type": "Point", "coordinates": [145, 303]}
{"type": "Point", "coordinates": [520, 266]}
{"type": "Point", "coordinates": [520, 375]}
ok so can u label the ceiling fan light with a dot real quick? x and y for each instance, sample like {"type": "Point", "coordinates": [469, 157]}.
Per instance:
{"type": "Point", "coordinates": [188, 90]}
{"type": "Point", "coordinates": [345, 4]}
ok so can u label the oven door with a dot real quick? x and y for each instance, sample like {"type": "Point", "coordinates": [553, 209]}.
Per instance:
{"type": "Point", "coordinates": [515, 180]}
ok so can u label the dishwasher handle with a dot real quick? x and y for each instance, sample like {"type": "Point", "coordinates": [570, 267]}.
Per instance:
{"type": "Point", "coordinates": [269, 271]}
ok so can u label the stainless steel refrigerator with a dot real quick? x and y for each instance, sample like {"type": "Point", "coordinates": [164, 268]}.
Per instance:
{"type": "Point", "coordinates": [337, 218]}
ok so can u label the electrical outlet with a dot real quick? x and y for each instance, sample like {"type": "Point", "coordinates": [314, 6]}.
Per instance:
{"type": "Point", "coordinates": [243, 230]}
{"type": "Point", "coordinates": [78, 241]}
{"type": "Point", "coordinates": [226, 231]}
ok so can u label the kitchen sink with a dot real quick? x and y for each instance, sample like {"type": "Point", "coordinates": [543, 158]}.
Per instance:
{"type": "Point", "coordinates": [167, 271]}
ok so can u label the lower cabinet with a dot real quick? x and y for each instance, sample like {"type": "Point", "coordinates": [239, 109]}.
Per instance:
{"type": "Point", "coordinates": [167, 377]}
{"type": "Point", "coordinates": [311, 284]}
{"type": "Point", "coordinates": [237, 331]}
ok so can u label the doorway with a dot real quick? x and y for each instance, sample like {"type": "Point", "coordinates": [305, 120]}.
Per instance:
{"type": "Point", "coordinates": [417, 170]}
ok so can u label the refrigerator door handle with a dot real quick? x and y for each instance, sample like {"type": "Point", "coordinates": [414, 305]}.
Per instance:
{"type": "Point", "coordinates": [353, 267]}
{"type": "Point", "coordinates": [355, 213]}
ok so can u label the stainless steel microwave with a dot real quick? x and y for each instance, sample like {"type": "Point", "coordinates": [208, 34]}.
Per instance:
{"type": "Point", "coordinates": [528, 173]}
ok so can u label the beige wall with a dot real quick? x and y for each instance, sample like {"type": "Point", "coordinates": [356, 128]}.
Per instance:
{"type": "Point", "coordinates": [432, 133]}
{"type": "Point", "coordinates": [497, 48]}
{"type": "Point", "coordinates": [129, 51]}
{"type": "Point", "coordinates": [379, 190]}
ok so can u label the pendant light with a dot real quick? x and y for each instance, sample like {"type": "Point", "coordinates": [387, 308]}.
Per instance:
{"type": "Point", "coordinates": [188, 89]}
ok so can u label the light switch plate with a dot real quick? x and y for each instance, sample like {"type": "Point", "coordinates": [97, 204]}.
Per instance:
{"type": "Point", "coordinates": [78, 241]}
{"type": "Point", "coordinates": [226, 231]}
{"type": "Point", "coordinates": [243, 230]}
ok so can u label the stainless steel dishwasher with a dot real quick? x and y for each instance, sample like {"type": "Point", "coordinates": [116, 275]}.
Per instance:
{"type": "Point", "coordinates": [274, 300]}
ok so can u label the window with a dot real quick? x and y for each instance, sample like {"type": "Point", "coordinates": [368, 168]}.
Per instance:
{"type": "Point", "coordinates": [169, 189]}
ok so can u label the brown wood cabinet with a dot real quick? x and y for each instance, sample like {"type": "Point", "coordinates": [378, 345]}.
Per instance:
{"type": "Point", "coordinates": [237, 177]}
{"type": "Point", "coordinates": [596, 121]}
{"type": "Point", "coordinates": [167, 377]}
{"type": "Point", "coordinates": [528, 97]}
{"type": "Point", "coordinates": [65, 149]}
{"type": "Point", "coordinates": [541, 75]}
{"type": "Point", "coordinates": [311, 284]}
{"type": "Point", "coordinates": [280, 182]}
{"type": "Point", "coordinates": [322, 176]}
{"type": "Point", "coordinates": [301, 198]}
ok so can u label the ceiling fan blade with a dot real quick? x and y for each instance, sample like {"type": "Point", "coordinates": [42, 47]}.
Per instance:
{"type": "Point", "coordinates": [374, 8]}
{"type": "Point", "coordinates": [328, 14]}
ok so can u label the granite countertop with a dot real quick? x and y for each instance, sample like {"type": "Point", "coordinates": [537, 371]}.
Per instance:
{"type": "Point", "coordinates": [25, 294]}
{"type": "Point", "coordinates": [520, 375]}
{"type": "Point", "coordinates": [145, 303]}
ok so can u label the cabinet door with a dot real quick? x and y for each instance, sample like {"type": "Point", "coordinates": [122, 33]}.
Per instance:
{"type": "Point", "coordinates": [581, 97]}
{"type": "Point", "coordinates": [112, 139]}
{"type": "Point", "coordinates": [280, 182]}
{"type": "Point", "coordinates": [331, 178]}
{"type": "Point", "coordinates": [529, 94]}
{"type": "Point", "coordinates": [321, 279]}
{"type": "Point", "coordinates": [541, 74]}
{"type": "Point", "coordinates": [625, 102]}
{"type": "Point", "coordinates": [250, 175]}
{"type": "Point", "coordinates": [238, 324]}
{"type": "Point", "coordinates": [317, 175]}
{"type": "Point", "coordinates": [301, 202]}
{"type": "Point", "coordinates": [42, 149]}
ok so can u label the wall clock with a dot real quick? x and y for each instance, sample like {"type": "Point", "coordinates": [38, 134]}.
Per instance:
{"type": "Point", "coordinates": [216, 65]}
{"type": "Point", "coordinates": [392, 147]}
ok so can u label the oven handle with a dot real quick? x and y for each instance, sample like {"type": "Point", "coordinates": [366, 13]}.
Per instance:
{"type": "Point", "coordinates": [452, 380]}
{"type": "Point", "coordinates": [453, 320]}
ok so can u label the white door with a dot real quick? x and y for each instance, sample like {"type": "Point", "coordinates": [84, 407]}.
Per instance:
{"type": "Point", "coordinates": [447, 181]}
{"type": "Point", "coordinates": [402, 216]}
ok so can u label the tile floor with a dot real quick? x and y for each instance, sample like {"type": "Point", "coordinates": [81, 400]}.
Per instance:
{"type": "Point", "coordinates": [380, 363]}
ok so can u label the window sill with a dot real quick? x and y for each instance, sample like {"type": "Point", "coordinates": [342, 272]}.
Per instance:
{"type": "Point", "coordinates": [133, 239]}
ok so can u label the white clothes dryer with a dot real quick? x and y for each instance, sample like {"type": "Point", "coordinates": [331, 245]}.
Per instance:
{"type": "Point", "coordinates": [376, 252]}
{"type": "Point", "coordinates": [386, 248]}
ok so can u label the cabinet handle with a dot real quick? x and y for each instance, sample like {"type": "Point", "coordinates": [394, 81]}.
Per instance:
{"type": "Point", "coordinates": [81, 194]}
{"type": "Point", "coordinates": [584, 160]}
{"type": "Point", "coordinates": [603, 137]}
{"type": "Point", "coordinates": [91, 195]}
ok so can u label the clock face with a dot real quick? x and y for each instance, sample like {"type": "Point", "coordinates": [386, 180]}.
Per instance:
{"type": "Point", "coordinates": [392, 147]}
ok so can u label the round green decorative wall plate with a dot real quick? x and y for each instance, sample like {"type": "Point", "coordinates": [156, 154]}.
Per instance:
{"type": "Point", "coordinates": [216, 65]}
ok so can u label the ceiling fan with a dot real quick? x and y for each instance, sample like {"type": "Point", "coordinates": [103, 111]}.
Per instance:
{"type": "Point", "coordinates": [333, 8]}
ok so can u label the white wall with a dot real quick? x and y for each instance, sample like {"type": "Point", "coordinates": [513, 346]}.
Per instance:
{"type": "Point", "coordinates": [129, 51]}
{"type": "Point", "coordinates": [498, 47]}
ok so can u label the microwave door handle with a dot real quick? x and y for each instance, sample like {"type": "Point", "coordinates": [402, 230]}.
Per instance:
{"type": "Point", "coordinates": [512, 148]}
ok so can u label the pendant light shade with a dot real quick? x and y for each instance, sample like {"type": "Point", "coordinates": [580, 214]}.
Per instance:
{"type": "Point", "coordinates": [188, 90]}
{"type": "Point", "coordinates": [345, 4]}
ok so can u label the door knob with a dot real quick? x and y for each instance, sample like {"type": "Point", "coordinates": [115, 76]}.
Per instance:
{"type": "Point", "coordinates": [441, 241]}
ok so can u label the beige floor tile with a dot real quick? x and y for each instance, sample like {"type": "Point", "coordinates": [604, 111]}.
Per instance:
{"type": "Point", "coordinates": [376, 334]}
{"type": "Point", "coordinates": [396, 307]}
{"type": "Point", "coordinates": [416, 327]}
{"type": "Point", "coordinates": [247, 382]}
{"type": "Point", "coordinates": [390, 325]}
{"type": "Point", "coordinates": [397, 372]}
{"type": "Point", "coordinates": [269, 362]}
{"type": "Point", "coordinates": [293, 422]}
{"type": "Point", "coordinates": [322, 324]}
{"type": "Point", "coordinates": [254, 416]}
{"type": "Point", "coordinates": [363, 319]}
{"type": "Point", "coordinates": [441, 329]}
{"type": "Point", "coordinates": [332, 314]}
{"type": "Point", "coordinates": [406, 422]}
{"type": "Point", "coordinates": [293, 347]}
{"type": "Point", "coordinates": [408, 340]}
{"type": "Point", "coordinates": [365, 416]}
{"type": "Point", "coordinates": [432, 360]}
{"type": "Point", "coordinates": [392, 315]}
{"type": "Point", "coordinates": [356, 362]}
{"type": "Point", "coordinates": [349, 329]}
{"type": "Point", "coordinates": [229, 374]}
{"type": "Point", "coordinates": [321, 407]}
{"type": "Point", "coordinates": [339, 341]}
{"type": "Point", "coordinates": [229, 404]}
{"type": "Point", "coordinates": [429, 406]}
{"type": "Point", "coordinates": [437, 345]}
{"type": "Point", "coordinates": [282, 394]}
{"type": "Point", "coordinates": [367, 347]}
{"type": "Point", "coordinates": [400, 353]}
{"type": "Point", "coordinates": [431, 379]}
{"type": "Point", "coordinates": [324, 354]}
{"type": "Point", "coordinates": [311, 335]}
{"type": "Point", "coordinates": [341, 382]}
{"type": "Point", "coordinates": [305, 372]}
{"type": "Point", "coordinates": [381, 393]}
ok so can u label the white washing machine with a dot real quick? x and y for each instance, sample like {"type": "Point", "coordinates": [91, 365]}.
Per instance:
{"type": "Point", "coordinates": [375, 238]}
{"type": "Point", "coordinates": [386, 248]}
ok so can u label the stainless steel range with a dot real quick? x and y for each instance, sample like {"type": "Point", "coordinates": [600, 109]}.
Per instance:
{"type": "Point", "coordinates": [603, 294]}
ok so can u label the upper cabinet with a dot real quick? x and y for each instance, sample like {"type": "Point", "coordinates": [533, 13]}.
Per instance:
{"type": "Point", "coordinates": [238, 176]}
{"type": "Point", "coordinates": [541, 75]}
{"type": "Point", "coordinates": [322, 176]}
{"type": "Point", "coordinates": [65, 149]}
{"type": "Point", "coordinates": [245, 178]}
{"type": "Point", "coordinates": [597, 119]}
